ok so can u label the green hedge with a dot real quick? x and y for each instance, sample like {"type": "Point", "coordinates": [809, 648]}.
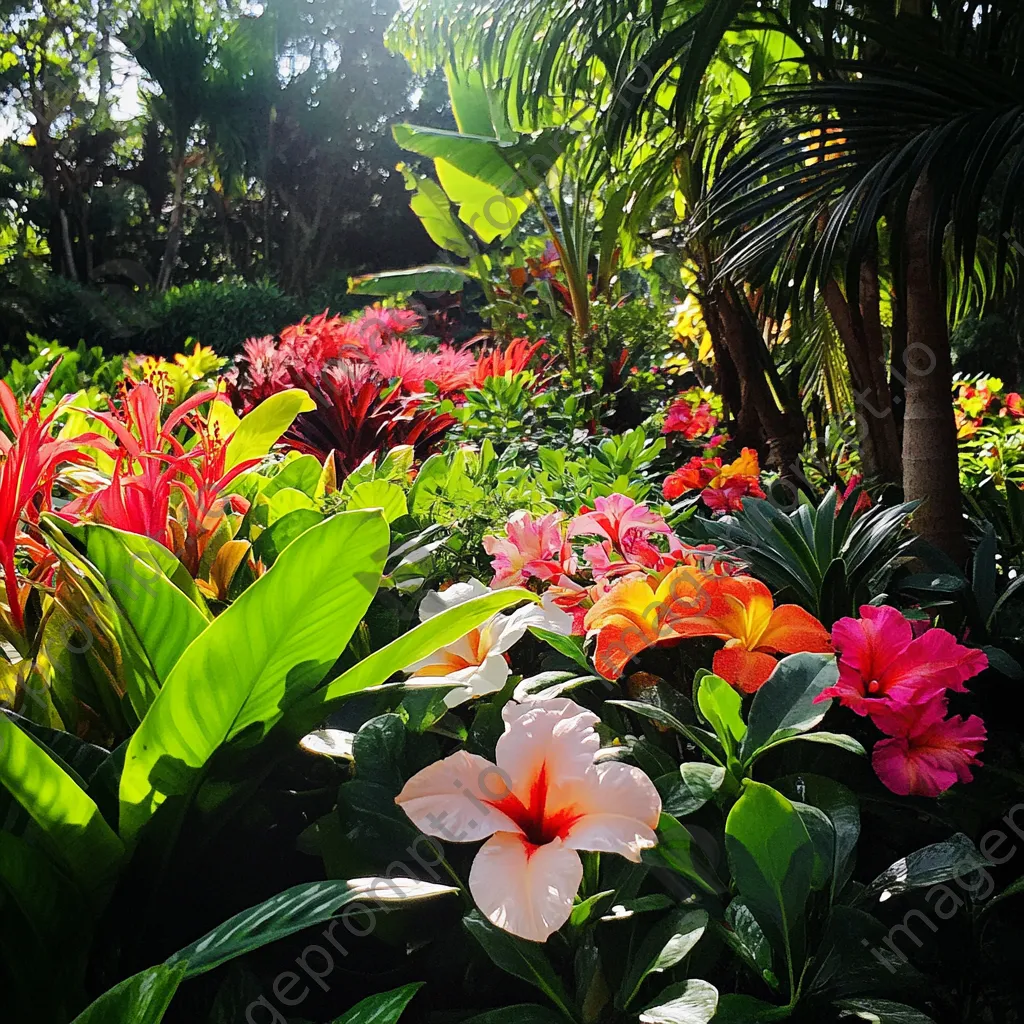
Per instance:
{"type": "Point", "coordinates": [221, 315]}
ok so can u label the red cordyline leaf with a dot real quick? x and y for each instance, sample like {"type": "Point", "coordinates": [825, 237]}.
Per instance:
{"type": "Point", "coordinates": [358, 414]}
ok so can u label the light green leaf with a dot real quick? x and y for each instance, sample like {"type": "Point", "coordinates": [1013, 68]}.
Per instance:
{"type": "Point", "coordinates": [263, 427]}
{"type": "Point", "coordinates": [384, 1008]}
{"type": "Point", "coordinates": [301, 474]}
{"type": "Point", "coordinates": [164, 620]}
{"type": "Point", "coordinates": [295, 909]}
{"type": "Point", "coordinates": [388, 497]}
{"type": "Point", "coordinates": [772, 860]}
{"type": "Point", "coordinates": [286, 501]}
{"type": "Point", "coordinates": [65, 814]}
{"type": "Point", "coordinates": [140, 999]}
{"type": "Point", "coordinates": [415, 279]}
{"type": "Point", "coordinates": [722, 706]}
{"type": "Point", "coordinates": [512, 168]}
{"type": "Point", "coordinates": [418, 643]}
{"type": "Point", "coordinates": [265, 653]}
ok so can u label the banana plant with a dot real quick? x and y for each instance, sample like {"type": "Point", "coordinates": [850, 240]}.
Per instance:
{"type": "Point", "coordinates": [489, 174]}
{"type": "Point", "coordinates": [96, 838]}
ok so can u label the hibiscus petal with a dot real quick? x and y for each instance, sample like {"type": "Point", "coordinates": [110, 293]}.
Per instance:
{"type": "Point", "coordinates": [868, 645]}
{"type": "Point", "coordinates": [931, 759]}
{"type": "Point", "coordinates": [931, 663]}
{"type": "Point", "coordinates": [436, 602]}
{"type": "Point", "coordinates": [746, 670]}
{"type": "Point", "coordinates": [524, 889]}
{"type": "Point", "coordinates": [553, 739]}
{"type": "Point", "coordinates": [619, 807]}
{"type": "Point", "coordinates": [454, 799]}
{"type": "Point", "coordinates": [793, 630]}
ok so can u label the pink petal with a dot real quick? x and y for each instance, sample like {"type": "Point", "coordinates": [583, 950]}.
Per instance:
{"type": "Point", "coordinates": [524, 889]}
{"type": "Point", "coordinates": [620, 808]}
{"type": "Point", "coordinates": [546, 739]}
{"type": "Point", "coordinates": [868, 645]}
{"type": "Point", "coordinates": [931, 663]}
{"type": "Point", "coordinates": [453, 799]}
{"type": "Point", "coordinates": [928, 762]}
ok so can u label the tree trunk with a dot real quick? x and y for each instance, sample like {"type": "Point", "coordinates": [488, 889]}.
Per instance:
{"type": "Point", "coordinates": [174, 230]}
{"type": "Point", "coordinates": [860, 330]}
{"type": "Point", "coordinates": [931, 471]}
{"type": "Point", "coordinates": [871, 315]}
{"type": "Point", "coordinates": [783, 432]}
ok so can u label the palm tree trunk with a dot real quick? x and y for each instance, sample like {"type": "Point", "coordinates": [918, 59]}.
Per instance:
{"type": "Point", "coordinates": [930, 453]}
{"type": "Point", "coordinates": [174, 230]}
{"type": "Point", "coordinates": [860, 329]}
{"type": "Point", "coordinates": [781, 430]}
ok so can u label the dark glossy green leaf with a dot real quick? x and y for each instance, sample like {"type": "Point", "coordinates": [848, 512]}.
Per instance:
{"type": "Point", "coordinates": [666, 944]}
{"type": "Point", "coordinates": [570, 646]}
{"type": "Point", "coordinates": [785, 706]}
{"type": "Point", "coordinates": [881, 1011]}
{"type": "Point", "coordinates": [747, 939]}
{"type": "Point", "coordinates": [302, 906]}
{"type": "Point", "coordinates": [733, 1009]}
{"type": "Point", "coordinates": [688, 1002]}
{"type": "Point", "coordinates": [694, 786]}
{"type": "Point", "coordinates": [525, 960]}
{"type": "Point", "coordinates": [680, 853]}
{"type": "Point", "coordinates": [140, 999]}
{"type": "Point", "coordinates": [823, 838]}
{"type": "Point", "coordinates": [843, 811]}
{"type": "Point", "coordinates": [384, 1008]}
{"type": "Point", "coordinates": [953, 858]}
{"type": "Point", "coordinates": [707, 742]}
{"type": "Point", "coordinates": [590, 908]}
{"type": "Point", "coordinates": [523, 1013]}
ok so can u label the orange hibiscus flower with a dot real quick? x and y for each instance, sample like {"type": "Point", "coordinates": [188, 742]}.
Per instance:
{"type": "Point", "coordinates": [640, 613]}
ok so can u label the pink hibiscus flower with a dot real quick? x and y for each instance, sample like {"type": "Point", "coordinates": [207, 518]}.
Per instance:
{"type": "Point", "coordinates": [541, 801]}
{"type": "Point", "coordinates": [620, 520]}
{"type": "Point", "coordinates": [532, 548]}
{"type": "Point", "coordinates": [880, 661]}
{"type": "Point", "coordinates": [926, 753]}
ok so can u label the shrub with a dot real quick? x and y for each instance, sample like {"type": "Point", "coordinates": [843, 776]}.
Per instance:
{"type": "Point", "coordinates": [219, 314]}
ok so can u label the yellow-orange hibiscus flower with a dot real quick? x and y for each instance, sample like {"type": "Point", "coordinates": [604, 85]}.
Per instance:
{"type": "Point", "coordinates": [639, 613]}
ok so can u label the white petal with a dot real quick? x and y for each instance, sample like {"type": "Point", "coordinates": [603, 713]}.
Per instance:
{"type": "Point", "coordinates": [555, 737]}
{"type": "Point", "coordinates": [451, 799]}
{"type": "Point", "coordinates": [436, 602]}
{"type": "Point", "coordinates": [524, 889]}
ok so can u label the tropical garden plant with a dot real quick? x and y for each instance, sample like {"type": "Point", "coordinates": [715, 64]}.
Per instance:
{"type": "Point", "coordinates": [619, 621]}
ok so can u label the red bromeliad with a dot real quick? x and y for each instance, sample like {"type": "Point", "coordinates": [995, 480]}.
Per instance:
{"type": "Point", "coordinates": [29, 462]}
